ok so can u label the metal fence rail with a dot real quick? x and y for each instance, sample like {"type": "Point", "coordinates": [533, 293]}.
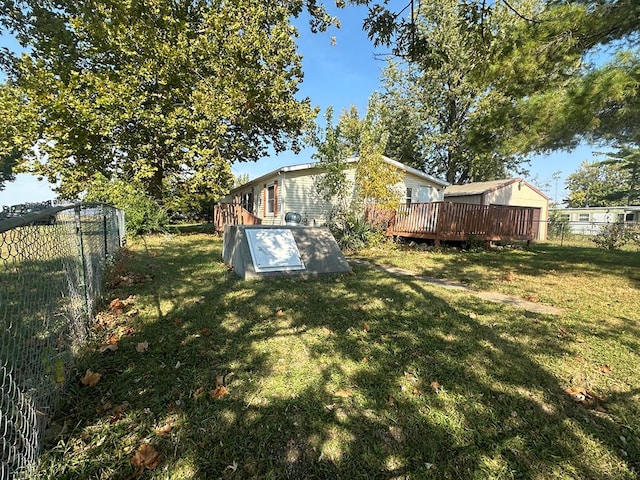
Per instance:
{"type": "Point", "coordinates": [51, 268]}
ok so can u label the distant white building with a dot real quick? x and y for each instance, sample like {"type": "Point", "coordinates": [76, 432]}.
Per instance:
{"type": "Point", "coordinates": [589, 220]}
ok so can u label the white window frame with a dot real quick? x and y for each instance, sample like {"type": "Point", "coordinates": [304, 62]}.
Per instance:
{"type": "Point", "coordinates": [271, 202]}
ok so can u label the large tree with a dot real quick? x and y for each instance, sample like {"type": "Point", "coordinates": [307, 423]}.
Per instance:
{"type": "Point", "coordinates": [555, 107]}
{"type": "Point", "coordinates": [162, 93]}
{"type": "Point", "coordinates": [594, 184]}
{"type": "Point", "coordinates": [352, 136]}
{"type": "Point", "coordinates": [627, 161]}
{"type": "Point", "coordinates": [590, 23]}
{"type": "Point", "coordinates": [453, 110]}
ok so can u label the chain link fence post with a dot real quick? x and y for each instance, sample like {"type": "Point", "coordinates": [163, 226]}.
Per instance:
{"type": "Point", "coordinates": [51, 268]}
{"type": "Point", "coordinates": [81, 260]}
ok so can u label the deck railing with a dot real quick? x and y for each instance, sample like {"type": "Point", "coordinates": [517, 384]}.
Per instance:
{"type": "Point", "coordinates": [461, 221]}
{"type": "Point", "coordinates": [232, 214]}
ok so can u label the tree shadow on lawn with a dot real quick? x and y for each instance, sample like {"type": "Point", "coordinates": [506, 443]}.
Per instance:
{"type": "Point", "coordinates": [360, 376]}
{"type": "Point", "coordinates": [537, 260]}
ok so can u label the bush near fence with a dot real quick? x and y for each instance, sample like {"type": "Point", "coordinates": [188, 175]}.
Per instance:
{"type": "Point", "coordinates": [51, 268]}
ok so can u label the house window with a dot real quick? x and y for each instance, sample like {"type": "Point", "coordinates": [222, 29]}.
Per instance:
{"type": "Point", "coordinates": [629, 217]}
{"type": "Point", "coordinates": [583, 217]}
{"type": "Point", "coordinates": [247, 201]}
{"type": "Point", "coordinates": [271, 199]}
{"type": "Point", "coordinates": [564, 217]}
{"type": "Point", "coordinates": [408, 196]}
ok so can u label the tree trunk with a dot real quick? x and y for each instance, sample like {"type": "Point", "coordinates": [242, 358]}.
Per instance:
{"type": "Point", "coordinates": [155, 183]}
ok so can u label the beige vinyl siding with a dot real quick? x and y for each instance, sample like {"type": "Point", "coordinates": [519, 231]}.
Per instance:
{"type": "Point", "coordinates": [414, 183]}
{"type": "Point", "coordinates": [520, 194]}
{"type": "Point", "coordinates": [301, 196]}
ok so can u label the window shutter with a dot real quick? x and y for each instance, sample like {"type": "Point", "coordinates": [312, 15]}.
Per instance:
{"type": "Point", "coordinates": [265, 199]}
{"type": "Point", "coordinates": [275, 198]}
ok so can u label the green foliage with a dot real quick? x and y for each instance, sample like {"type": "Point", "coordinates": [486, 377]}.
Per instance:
{"type": "Point", "coordinates": [240, 180]}
{"type": "Point", "coordinates": [17, 134]}
{"type": "Point", "coordinates": [159, 93]}
{"type": "Point", "coordinates": [614, 236]}
{"type": "Point", "coordinates": [588, 23]}
{"type": "Point", "coordinates": [374, 181]}
{"type": "Point", "coordinates": [143, 214]}
{"type": "Point", "coordinates": [332, 147]}
{"type": "Point", "coordinates": [627, 161]}
{"type": "Point", "coordinates": [352, 233]}
{"type": "Point", "coordinates": [455, 110]}
{"type": "Point", "coordinates": [505, 79]}
{"type": "Point", "coordinates": [556, 227]}
{"type": "Point", "coordinates": [595, 185]}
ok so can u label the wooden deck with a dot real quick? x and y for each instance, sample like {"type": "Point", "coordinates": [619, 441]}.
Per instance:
{"type": "Point", "coordinates": [232, 214]}
{"type": "Point", "coordinates": [441, 221]}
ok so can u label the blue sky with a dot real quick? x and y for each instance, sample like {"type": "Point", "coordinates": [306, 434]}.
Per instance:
{"type": "Point", "coordinates": [338, 75]}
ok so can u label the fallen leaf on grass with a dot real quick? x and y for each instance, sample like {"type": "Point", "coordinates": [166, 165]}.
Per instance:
{"type": "Point", "coordinates": [90, 378]}
{"type": "Point", "coordinates": [606, 369]}
{"type": "Point", "coordinates": [366, 327]}
{"type": "Point", "coordinates": [509, 277]}
{"type": "Point", "coordinates": [108, 347]}
{"type": "Point", "coordinates": [116, 417]}
{"type": "Point", "coordinates": [584, 396]}
{"type": "Point", "coordinates": [436, 386]}
{"type": "Point", "coordinates": [125, 330]}
{"type": "Point", "coordinates": [233, 467]}
{"type": "Point", "coordinates": [219, 392]}
{"type": "Point", "coordinates": [116, 306]}
{"type": "Point", "coordinates": [142, 347]}
{"type": "Point", "coordinates": [219, 381]}
{"type": "Point", "coordinates": [417, 391]}
{"type": "Point", "coordinates": [532, 297]}
{"type": "Point", "coordinates": [198, 392]}
{"type": "Point", "coordinates": [279, 313]}
{"type": "Point", "coordinates": [343, 393]}
{"type": "Point", "coordinates": [146, 457]}
{"type": "Point", "coordinates": [164, 430]}
{"type": "Point", "coordinates": [205, 332]}
{"type": "Point", "coordinates": [563, 332]}
{"type": "Point", "coordinates": [105, 321]}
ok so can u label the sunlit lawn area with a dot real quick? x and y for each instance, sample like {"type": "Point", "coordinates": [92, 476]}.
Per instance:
{"type": "Point", "coordinates": [358, 376]}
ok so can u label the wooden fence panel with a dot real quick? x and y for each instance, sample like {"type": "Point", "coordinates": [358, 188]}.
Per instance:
{"type": "Point", "coordinates": [459, 221]}
{"type": "Point", "coordinates": [232, 214]}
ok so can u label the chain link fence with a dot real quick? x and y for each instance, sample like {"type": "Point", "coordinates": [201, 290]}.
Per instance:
{"type": "Point", "coordinates": [51, 268]}
{"type": "Point", "coordinates": [562, 231]}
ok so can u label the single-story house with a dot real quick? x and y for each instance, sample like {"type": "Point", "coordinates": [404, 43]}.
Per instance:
{"type": "Point", "coordinates": [294, 189]}
{"type": "Point", "coordinates": [589, 220]}
{"type": "Point", "coordinates": [513, 192]}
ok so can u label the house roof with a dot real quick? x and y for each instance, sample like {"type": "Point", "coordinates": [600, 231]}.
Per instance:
{"type": "Point", "coordinates": [317, 165]}
{"type": "Point", "coordinates": [479, 188]}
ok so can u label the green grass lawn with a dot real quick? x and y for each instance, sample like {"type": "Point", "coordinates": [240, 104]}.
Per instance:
{"type": "Point", "coordinates": [358, 376]}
